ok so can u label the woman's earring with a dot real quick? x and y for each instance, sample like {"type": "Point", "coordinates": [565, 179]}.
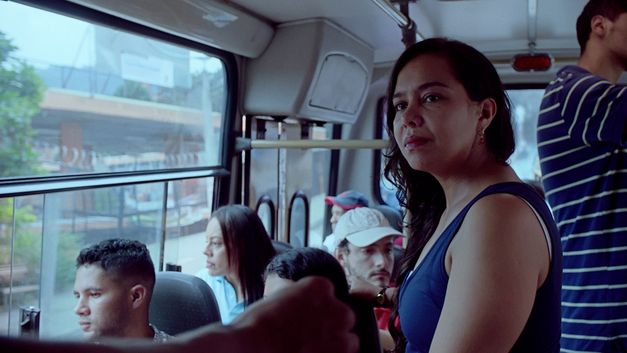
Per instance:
{"type": "Point", "coordinates": [481, 137]}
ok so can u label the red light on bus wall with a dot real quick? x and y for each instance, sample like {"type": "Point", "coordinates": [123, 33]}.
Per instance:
{"type": "Point", "coordinates": [532, 62]}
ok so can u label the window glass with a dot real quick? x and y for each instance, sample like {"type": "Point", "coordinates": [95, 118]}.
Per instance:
{"type": "Point", "coordinates": [189, 209]}
{"type": "Point", "coordinates": [77, 219]}
{"type": "Point", "coordinates": [20, 265]}
{"type": "Point", "coordinates": [83, 98]}
{"type": "Point", "coordinates": [298, 221]}
{"type": "Point", "coordinates": [525, 109]}
{"type": "Point", "coordinates": [281, 173]}
{"type": "Point", "coordinates": [266, 212]}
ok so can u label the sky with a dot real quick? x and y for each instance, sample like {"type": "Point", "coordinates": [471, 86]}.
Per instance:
{"type": "Point", "coordinates": [45, 38]}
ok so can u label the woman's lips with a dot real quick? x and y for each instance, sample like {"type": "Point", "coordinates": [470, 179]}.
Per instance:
{"type": "Point", "coordinates": [413, 142]}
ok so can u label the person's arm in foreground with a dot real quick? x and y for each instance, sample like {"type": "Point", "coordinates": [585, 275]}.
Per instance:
{"type": "Point", "coordinates": [305, 318]}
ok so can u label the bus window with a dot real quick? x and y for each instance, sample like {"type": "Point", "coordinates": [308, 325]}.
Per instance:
{"type": "Point", "coordinates": [103, 100]}
{"type": "Point", "coordinates": [112, 134]}
{"type": "Point", "coordinates": [267, 213]}
{"type": "Point", "coordinates": [525, 108]}
{"type": "Point", "coordinates": [298, 228]}
{"type": "Point", "coordinates": [279, 173]}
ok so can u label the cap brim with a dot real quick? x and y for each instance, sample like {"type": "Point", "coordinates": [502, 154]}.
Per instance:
{"type": "Point", "coordinates": [372, 235]}
{"type": "Point", "coordinates": [329, 200]}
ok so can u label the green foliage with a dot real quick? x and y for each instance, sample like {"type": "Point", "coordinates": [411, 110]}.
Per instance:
{"type": "Point", "coordinates": [133, 90]}
{"type": "Point", "coordinates": [21, 92]}
{"type": "Point", "coordinates": [66, 261]}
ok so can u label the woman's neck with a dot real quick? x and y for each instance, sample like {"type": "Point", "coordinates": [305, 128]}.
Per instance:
{"type": "Point", "coordinates": [235, 282]}
{"type": "Point", "coordinates": [460, 189]}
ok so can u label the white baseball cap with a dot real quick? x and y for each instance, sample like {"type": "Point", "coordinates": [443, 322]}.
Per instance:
{"type": "Point", "coordinates": [363, 226]}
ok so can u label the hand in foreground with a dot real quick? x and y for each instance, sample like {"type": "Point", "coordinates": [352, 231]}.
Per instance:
{"type": "Point", "coordinates": [304, 318]}
{"type": "Point", "coordinates": [362, 289]}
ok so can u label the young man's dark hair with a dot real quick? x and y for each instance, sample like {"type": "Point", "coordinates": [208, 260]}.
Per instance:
{"type": "Point", "coordinates": [124, 259]}
{"type": "Point", "coordinates": [610, 9]}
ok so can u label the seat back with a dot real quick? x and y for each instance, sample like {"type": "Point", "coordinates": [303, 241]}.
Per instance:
{"type": "Point", "coordinates": [182, 302]}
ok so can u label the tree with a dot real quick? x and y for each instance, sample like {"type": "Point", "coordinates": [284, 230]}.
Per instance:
{"type": "Point", "coordinates": [21, 92]}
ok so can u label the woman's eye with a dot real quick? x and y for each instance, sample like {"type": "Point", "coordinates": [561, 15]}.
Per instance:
{"type": "Point", "coordinates": [431, 98]}
{"type": "Point", "coordinates": [400, 106]}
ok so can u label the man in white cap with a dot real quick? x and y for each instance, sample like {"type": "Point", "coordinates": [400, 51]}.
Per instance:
{"type": "Point", "coordinates": [364, 245]}
{"type": "Point", "coordinates": [364, 248]}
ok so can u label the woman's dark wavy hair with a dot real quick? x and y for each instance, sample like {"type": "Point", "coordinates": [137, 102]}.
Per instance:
{"type": "Point", "coordinates": [248, 247]}
{"type": "Point", "coordinates": [419, 192]}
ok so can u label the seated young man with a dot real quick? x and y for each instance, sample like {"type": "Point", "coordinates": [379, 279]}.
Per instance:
{"type": "Point", "coordinates": [364, 248]}
{"type": "Point", "coordinates": [113, 286]}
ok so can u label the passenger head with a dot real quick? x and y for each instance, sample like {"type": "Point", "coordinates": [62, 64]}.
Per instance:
{"type": "Point", "coordinates": [113, 286]}
{"type": "Point", "coordinates": [365, 243]}
{"type": "Point", "coordinates": [239, 248]}
{"type": "Point", "coordinates": [343, 202]}
{"type": "Point", "coordinates": [292, 265]}
{"type": "Point", "coordinates": [608, 9]}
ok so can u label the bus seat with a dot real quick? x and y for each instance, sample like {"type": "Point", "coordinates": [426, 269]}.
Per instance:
{"type": "Point", "coordinates": [365, 326]}
{"type": "Point", "coordinates": [182, 302]}
{"type": "Point", "coordinates": [392, 215]}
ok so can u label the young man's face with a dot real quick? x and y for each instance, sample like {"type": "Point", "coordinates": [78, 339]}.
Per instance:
{"type": "Point", "coordinates": [103, 304]}
{"type": "Point", "coordinates": [372, 263]}
{"type": "Point", "coordinates": [617, 38]}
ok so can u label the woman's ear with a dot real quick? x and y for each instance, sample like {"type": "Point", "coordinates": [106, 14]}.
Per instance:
{"type": "Point", "coordinates": [487, 113]}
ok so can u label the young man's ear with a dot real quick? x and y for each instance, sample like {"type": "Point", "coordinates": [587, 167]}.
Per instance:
{"type": "Point", "coordinates": [340, 255]}
{"type": "Point", "coordinates": [139, 295]}
{"type": "Point", "coordinates": [598, 26]}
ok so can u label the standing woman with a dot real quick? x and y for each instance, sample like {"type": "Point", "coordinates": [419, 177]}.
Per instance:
{"type": "Point", "coordinates": [238, 250]}
{"type": "Point", "coordinates": [482, 269]}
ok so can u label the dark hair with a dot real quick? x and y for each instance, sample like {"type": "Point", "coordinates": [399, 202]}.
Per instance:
{"type": "Point", "coordinates": [609, 9]}
{"type": "Point", "coordinates": [303, 262]}
{"type": "Point", "coordinates": [123, 259]}
{"type": "Point", "coordinates": [417, 191]}
{"type": "Point", "coordinates": [248, 247]}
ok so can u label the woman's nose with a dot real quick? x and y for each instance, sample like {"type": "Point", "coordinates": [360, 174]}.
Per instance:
{"type": "Point", "coordinates": [411, 116]}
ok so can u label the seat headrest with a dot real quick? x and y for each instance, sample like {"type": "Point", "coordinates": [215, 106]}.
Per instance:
{"type": "Point", "coordinates": [182, 302]}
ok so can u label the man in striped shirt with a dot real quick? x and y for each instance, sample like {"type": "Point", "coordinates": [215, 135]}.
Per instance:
{"type": "Point", "coordinates": [583, 156]}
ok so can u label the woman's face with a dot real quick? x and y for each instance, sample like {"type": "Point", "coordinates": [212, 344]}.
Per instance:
{"type": "Point", "coordinates": [215, 250]}
{"type": "Point", "coordinates": [436, 124]}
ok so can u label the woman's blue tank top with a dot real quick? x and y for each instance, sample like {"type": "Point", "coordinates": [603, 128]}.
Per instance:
{"type": "Point", "coordinates": [422, 293]}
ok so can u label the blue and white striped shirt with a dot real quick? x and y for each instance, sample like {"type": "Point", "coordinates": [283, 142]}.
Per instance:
{"type": "Point", "coordinates": [583, 157]}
